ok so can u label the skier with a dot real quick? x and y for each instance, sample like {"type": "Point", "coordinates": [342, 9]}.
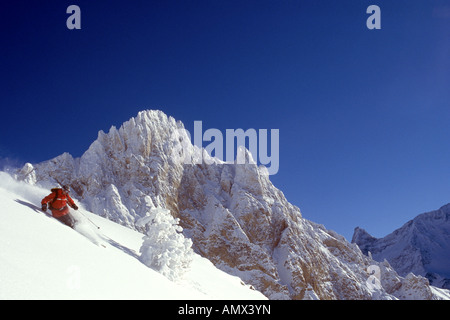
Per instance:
{"type": "Point", "coordinates": [58, 202]}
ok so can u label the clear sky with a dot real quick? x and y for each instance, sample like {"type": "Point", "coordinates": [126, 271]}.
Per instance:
{"type": "Point", "coordinates": [364, 115]}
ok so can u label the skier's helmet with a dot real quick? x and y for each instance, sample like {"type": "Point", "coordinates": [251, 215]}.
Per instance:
{"type": "Point", "coordinates": [66, 188]}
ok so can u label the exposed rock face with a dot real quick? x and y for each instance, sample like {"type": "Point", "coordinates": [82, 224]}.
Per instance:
{"type": "Point", "coordinates": [421, 246]}
{"type": "Point", "coordinates": [232, 212]}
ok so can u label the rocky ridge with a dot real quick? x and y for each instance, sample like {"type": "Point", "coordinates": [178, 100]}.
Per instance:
{"type": "Point", "coordinates": [232, 212]}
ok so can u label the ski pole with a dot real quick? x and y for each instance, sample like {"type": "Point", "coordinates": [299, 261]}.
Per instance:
{"type": "Point", "coordinates": [89, 219]}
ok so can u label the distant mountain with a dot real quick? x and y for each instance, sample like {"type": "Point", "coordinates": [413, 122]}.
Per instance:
{"type": "Point", "coordinates": [421, 246]}
{"type": "Point", "coordinates": [233, 213]}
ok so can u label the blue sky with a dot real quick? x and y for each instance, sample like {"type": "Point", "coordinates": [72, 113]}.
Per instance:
{"type": "Point", "coordinates": [364, 115]}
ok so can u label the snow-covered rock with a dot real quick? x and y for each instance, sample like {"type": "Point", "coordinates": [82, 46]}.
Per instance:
{"type": "Point", "coordinates": [233, 214]}
{"type": "Point", "coordinates": [165, 249]}
{"type": "Point", "coordinates": [421, 246]}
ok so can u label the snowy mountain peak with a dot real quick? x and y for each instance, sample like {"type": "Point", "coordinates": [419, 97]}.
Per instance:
{"type": "Point", "coordinates": [233, 213]}
{"type": "Point", "coordinates": [361, 236]}
{"type": "Point", "coordinates": [421, 246]}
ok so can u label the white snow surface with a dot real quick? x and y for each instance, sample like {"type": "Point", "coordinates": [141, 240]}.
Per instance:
{"type": "Point", "coordinates": [41, 258]}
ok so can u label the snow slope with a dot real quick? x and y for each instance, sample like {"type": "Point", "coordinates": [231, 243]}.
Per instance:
{"type": "Point", "coordinates": [41, 258]}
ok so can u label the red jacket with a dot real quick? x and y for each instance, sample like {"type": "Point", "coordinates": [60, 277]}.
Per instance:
{"type": "Point", "coordinates": [58, 201]}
